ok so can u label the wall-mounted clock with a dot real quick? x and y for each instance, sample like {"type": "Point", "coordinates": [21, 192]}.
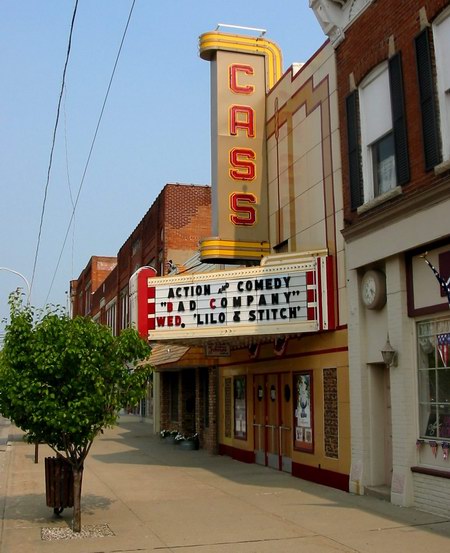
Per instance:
{"type": "Point", "coordinates": [373, 289]}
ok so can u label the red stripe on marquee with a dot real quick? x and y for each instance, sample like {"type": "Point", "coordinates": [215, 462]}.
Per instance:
{"type": "Point", "coordinates": [330, 293]}
{"type": "Point", "coordinates": [319, 294]}
{"type": "Point", "coordinates": [144, 294]}
{"type": "Point", "coordinates": [310, 295]}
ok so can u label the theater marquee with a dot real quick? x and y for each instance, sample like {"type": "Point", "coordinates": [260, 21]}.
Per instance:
{"type": "Point", "coordinates": [283, 299]}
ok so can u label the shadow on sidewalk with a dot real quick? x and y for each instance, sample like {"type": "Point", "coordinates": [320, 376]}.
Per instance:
{"type": "Point", "coordinates": [134, 449]}
{"type": "Point", "coordinates": [33, 508]}
{"type": "Point", "coordinates": [138, 445]}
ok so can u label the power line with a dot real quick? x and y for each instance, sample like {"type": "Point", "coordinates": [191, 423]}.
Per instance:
{"type": "Point", "coordinates": [91, 148]}
{"type": "Point", "coordinates": [53, 144]}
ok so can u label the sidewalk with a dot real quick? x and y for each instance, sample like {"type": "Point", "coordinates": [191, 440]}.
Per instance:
{"type": "Point", "coordinates": [152, 496]}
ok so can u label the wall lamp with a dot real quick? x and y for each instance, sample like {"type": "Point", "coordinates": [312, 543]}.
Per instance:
{"type": "Point", "coordinates": [389, 354]}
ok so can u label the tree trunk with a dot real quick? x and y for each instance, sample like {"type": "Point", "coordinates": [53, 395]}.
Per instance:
{"type": "Point", "coordinates": [77, 481]}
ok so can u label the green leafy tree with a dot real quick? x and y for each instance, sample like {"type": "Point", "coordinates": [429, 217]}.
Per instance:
{"type": "Point", "coordinates": [63, 380]}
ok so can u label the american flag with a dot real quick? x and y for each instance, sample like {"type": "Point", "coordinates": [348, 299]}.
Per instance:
{"type": "Point", "coordinates": [444, 285]}
{"type": "Point", "coordinates": [443, 341]}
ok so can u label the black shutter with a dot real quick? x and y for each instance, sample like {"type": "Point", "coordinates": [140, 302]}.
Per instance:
{"type": "Point", "coordinates": [399, 119]}
{"type": "Point", "coordinates": [430, 130]}
{"type": "Point", "coordinates": [354, 151]}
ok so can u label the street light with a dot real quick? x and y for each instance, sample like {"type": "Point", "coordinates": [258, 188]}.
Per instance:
{"type": "Point", "coordinates": [21, 276]}
{"type": "Point", "coordinates": [389, 354]}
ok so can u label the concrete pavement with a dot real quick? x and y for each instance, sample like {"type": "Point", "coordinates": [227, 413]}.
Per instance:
{"type": "Point", "coordinates": [153, 496]}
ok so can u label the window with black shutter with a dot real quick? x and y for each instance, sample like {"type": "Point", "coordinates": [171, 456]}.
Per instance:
{"type": "Point", "coordinates": [399, 119]}
{"type": "Point", "coordinates": [430, 129]}
{"type": "Point", "coordinates": [354, 151]}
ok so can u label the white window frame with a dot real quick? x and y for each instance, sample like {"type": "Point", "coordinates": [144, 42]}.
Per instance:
{"type": "Point", "coordinates": [367, 143]}
{"type": "Point", "coordinates": [441, 39]}
{"type": "Point", "coordinates": [428, 374]}
{"type": "Point", "coordinates": [111, 315]}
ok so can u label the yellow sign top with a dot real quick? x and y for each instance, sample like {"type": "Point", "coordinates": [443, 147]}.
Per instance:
{"type": "Point", "coordinates": [212, 41]}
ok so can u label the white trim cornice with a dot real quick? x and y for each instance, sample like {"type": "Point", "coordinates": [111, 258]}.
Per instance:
{"type": "Point", "coordinates": [334, 16]}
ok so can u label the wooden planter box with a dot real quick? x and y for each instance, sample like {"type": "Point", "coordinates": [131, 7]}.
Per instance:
{"type": "Point", "coordinates": [58, 483]}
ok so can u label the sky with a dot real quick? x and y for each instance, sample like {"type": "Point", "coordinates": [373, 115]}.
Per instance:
{"type": "Point", "coordinates": [155, 127]}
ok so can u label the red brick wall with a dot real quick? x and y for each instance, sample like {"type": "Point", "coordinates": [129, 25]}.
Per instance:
{"type": "Point", "coordinates": [210, 434]}
{"type": "Point", "coordinates": [101, 268]}
{"type": "Point", "coordinates": [166, 420]}
{"type": "Point", "coordinates": [187, 218]}
{"type": "Point", "coordinates": [190, 388]}
{"type": "Point", "coordinates": [364, 47]}
{"type": "Point", "coordinates": [171, 229]}
{"type": "Point", "coordinates": [96, 271]}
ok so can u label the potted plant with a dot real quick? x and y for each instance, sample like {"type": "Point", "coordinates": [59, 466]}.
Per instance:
{"type": "Point", "coordinates": [188, 441]}
{"type": "Point", "coordinates": [170, 438]}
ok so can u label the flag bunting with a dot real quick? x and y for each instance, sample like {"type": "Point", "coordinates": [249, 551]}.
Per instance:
{"type": "Point", "coordinates": [443, 343]}
{"type": "Point", "coordinates": [445, 285]}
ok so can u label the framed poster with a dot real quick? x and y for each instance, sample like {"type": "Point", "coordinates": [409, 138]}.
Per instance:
{"type": "Point", "coordinates": [240, 407]}
{"type": "Point", "coordinates": [304, 412]}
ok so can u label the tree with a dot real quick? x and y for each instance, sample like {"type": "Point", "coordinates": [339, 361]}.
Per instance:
{"type": "Point", "coordinates": [64, 380]}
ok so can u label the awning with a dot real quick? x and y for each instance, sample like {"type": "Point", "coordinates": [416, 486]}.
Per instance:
{"type": "Point", "coordinates": [163, 354]}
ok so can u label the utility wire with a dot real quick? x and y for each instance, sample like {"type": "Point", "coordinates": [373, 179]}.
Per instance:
{"type": "Point", "coordinates": [91, 148]}
{"type": "Point", "coordinates": [53, 145]}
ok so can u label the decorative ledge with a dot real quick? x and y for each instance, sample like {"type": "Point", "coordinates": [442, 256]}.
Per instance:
{"type": "Point", "coordinates": [380, 200]}
{"type": "Point", "coordinates": [388, 212]}
{"type": "Point", "coordinates": [442, 167]}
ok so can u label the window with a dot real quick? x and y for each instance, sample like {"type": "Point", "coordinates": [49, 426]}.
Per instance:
{"type": "Point", "coordinates": [87, 298]}
{"type": "Point", "coordinates": [383, 161]}
{"type": "Point", "coordinates": [434, 378]}
{"type": "Point", "coordinates": [228, 406]}
{"type": "Point", "coordinates": [160, 263]}
{"type": "Point", "coordinates": [124, 309]}
{"type": "Point", "coordinates": [378, 153]}
{"type": "Point", "coordinates": [441, 37]}
{"type": "Point", "coordinates": [376, 131]}
{"type": "Point", "coordinates": [136, 247]}
{"type": "Point", "coordinates": [111, 316]}
{"type": "Point", "coordinates": [240, 407]}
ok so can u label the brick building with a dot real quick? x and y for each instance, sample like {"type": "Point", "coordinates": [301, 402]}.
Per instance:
{"type": "Point", "coordinates": [394, 106]}
{"type": "Point", "coordinates": [164, 239]}
{"type": "Point", "coordinates": [91, 277]}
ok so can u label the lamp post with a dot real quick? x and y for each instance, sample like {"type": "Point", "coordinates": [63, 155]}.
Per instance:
{"type": "Point", "coordinates": [22, 277]}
